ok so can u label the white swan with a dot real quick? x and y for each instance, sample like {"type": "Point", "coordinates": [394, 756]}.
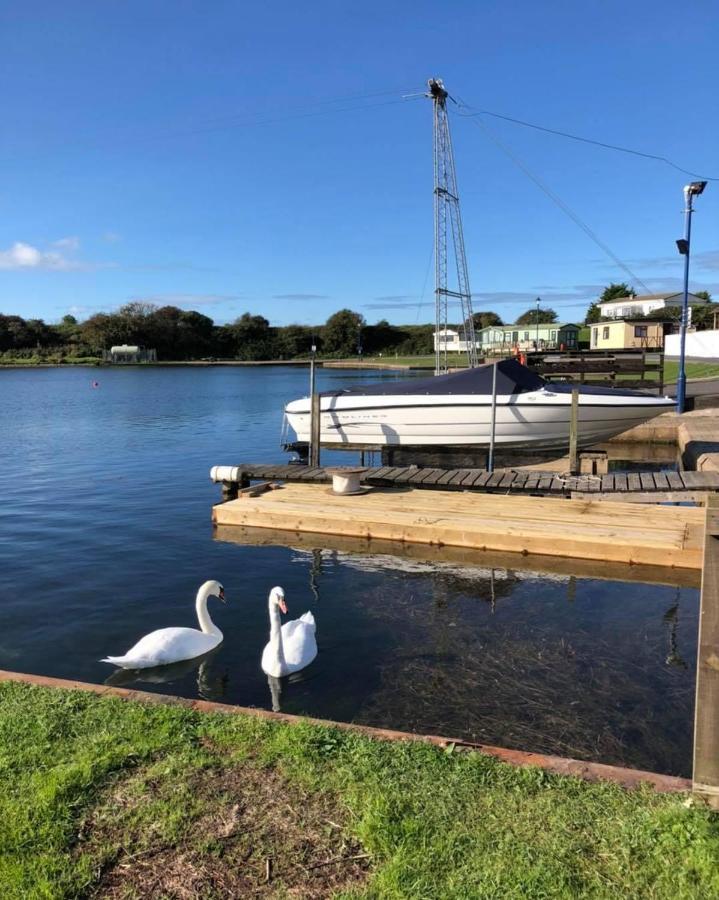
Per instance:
{"type": "Point", "coordinates": [171, 645]}
{"type": "Point", "coordinates": [291, 647]}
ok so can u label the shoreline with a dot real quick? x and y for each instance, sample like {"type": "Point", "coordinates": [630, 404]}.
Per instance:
{"type": "Point", "coordinates": [305, 363]}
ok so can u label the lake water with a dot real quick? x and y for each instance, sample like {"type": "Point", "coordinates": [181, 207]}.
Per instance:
{"type": "Point", "coordinates": [105, 534]}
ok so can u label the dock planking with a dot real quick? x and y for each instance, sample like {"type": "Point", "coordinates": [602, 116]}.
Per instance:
{"type": "Point", "coordinates": [505, 481]}
{"type": "Point", "coordinates": [582, 529]}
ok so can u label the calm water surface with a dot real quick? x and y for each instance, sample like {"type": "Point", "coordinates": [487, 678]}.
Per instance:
{"type": "Point", "coordinates": [105, 534]}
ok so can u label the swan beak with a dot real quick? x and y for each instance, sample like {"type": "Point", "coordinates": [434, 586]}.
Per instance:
{"type": "Point", "coordinates": [282, 605]}
{"type": "Point", "coordinates": [221, 595]}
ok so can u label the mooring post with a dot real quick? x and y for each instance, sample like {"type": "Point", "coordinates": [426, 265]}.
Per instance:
{"type": "Point", "coordinates": [573, 426]}
{"type": "Point", "coordinates": [314, 456]}
{"type": "Point", "coordinates": [315, 431]}
{"type": "Point", "coordinates": [705, 777]}
{"type": "Point", "coordinates": [493, 420]}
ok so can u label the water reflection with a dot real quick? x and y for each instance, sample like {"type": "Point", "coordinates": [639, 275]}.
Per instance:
{"type": "Point", "coordinates": [671, 617]}
{"type": "Point", "coordinates": [211, 683]}
{"type": "Point", "coordinates": [546, 654]}
{"type": "Point", "coordinates": [484, 647]}
{"type": "Point", "coordinates": [275, 692]}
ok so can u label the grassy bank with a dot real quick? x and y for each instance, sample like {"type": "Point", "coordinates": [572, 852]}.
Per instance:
{"type": "Point", "coordinates": [671, 367]}
{"type": "Point", "coordinates": [693, 370]}
{"type": "Point", "coordinates": [16, 361]}
{"type": "Point", "coordinates": [105, 797]}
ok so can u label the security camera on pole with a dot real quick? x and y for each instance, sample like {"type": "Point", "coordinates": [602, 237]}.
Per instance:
{"type": "Point", "coordinates": [683, 244]}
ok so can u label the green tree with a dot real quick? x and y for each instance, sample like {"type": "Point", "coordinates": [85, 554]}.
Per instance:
{"type": "Point", "coordinates": [342, 333]}
{"type": "Point", "coordinates": [594, 313]}
{"type": "Point", "coordinates": [486, 318]}
{"type": "Point", "coordinates": [102, 330]}
{"type": "Point", "coordinates": [543, 315]}
{"type": "Point", "coordinates": [252, 337]}
{"type": "Point", "coordinates": [617, 290]}
{"type": "Point", "coordinates": [705, 295]}
{"type": "Point", "coordinates": [703, 316]}
{"type": "Point", "coordinates": [381, 338]}
{"type": "Point", "coordinates": [293, 341]}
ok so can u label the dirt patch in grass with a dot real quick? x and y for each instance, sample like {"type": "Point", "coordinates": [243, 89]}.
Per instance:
{"type": "Point", "coordinates": [250, 833]}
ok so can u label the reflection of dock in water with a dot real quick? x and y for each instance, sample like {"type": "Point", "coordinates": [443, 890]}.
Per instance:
{"type": "Point", "coordinates": [457, 557]}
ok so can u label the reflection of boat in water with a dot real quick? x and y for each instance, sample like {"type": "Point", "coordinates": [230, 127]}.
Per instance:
{"type": "Point", "coordinates": [390, 563]}
{"type": "Point", "coordinates": [456, 409]}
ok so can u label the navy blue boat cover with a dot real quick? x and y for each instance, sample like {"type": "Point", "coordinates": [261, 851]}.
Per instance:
{"type": "Point", "coordinates": [512, 378]}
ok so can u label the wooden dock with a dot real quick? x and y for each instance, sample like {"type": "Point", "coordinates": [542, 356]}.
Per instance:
{"type": "Point", "coordinates": [581, 529]}
{"type": "Point", "coordinates": [508, 481]}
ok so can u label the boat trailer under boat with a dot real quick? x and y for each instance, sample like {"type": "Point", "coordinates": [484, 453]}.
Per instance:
{"type": "Point", "coordinates": [455, 410]}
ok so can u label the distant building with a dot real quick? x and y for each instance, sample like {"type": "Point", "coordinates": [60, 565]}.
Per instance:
{"type": "Point", "coordinates": [635, 307]}
{"type": "Point", "coordinates": [545, 336]}
{"type": "Point", "coordinates": [129, 353]}
{"type": "Point", "coordinates": [508, 338]}
{"type": "Point", "coordinates": [627, 334]}
{"type": "Point", "coordinates": [448, 339]}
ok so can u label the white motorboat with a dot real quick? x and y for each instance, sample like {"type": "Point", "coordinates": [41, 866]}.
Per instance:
{"type": "Point", "coordinates": [455, 410]}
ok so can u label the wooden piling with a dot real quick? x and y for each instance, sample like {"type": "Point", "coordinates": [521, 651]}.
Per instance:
{"type": "Point", "coordinates": [315, 417]}
{"type": "Point", "coordinates": [573, 427]}
{"type": "Point", "coordinates": [315, 426]}
{"type": "Point", "coordinates": [705, 778]}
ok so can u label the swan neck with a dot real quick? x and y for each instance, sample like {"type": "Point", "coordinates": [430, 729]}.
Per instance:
{"type": "Point", "coordinates": [278, 652]}
{"type": "Point", "coordinates": [203, 616]}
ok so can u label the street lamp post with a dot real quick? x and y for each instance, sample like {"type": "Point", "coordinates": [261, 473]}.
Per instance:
{"type": "Point", "coordinates": [690, 191]}
{"type": "Point", "coordinates": [537, 340]}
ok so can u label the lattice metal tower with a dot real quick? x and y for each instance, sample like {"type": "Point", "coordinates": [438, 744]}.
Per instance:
{"type": "Point", "coordinates": [446, 207]}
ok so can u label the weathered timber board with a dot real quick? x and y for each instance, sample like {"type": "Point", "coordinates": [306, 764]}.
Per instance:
{"type": "Point", "coordinates": [665, 536]}
{"type": "Point", "coordinates": [705, 776]}
{"type": "Point", "coordinates": [502, 480]}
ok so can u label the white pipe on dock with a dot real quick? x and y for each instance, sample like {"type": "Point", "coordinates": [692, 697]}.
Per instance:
{"type": "Point", "coordinates": [225, 473]}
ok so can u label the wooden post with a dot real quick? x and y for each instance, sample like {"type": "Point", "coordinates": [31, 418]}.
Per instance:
{"type": "Point", "coordinates": [705, 776]}
{"type": "Point", "coordinates": [573, 426]}
{"type": "Point", "coordinates": [229, 490]}
{"type": "Point", "coordinates": [661, 373]}
{"type": "Point", "coordinates": [315, 430]}
{"type": "Point", "coordinates": [493, 421]}
{"type": "Point", "coordinates": [314, 454]}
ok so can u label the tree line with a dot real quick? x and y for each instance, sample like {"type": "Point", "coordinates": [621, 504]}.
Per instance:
{"type": "Point", "coordinates": [178, 334]}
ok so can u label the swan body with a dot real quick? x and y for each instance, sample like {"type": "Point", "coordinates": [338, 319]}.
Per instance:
{"type": "Point", "coordinates": [171, 645]}
{"type": "Point", "coordinates": [293, 645]}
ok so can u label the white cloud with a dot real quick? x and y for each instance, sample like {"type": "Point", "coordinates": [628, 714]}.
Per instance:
{"type": "Point", "coordinates": [300, 297]}
{"type": "Point", "coordinates": [80, 310]}
{"type": "Point", "coordinates": [25, 256]}
{"type": "Point", "coordinates": [68, 243]}
{"type": "Point", "coordinates": [112, 237]}
{"type": "Point", "coordinates": [188, 300]}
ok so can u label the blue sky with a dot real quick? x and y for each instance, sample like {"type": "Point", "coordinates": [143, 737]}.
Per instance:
{"type": "Point", "coordinates": [233, 156]}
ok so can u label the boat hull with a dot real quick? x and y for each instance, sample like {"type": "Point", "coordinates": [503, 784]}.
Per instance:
{"type": "Point", "coordinates": [537, 419]}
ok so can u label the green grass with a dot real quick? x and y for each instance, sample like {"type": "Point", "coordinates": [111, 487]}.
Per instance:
{"type": "Point", "coordinates": [9, 360]}
{"type": "Point", "coordinates": [420, 362]}
{"type": "Point", "coordinates": [671, 367]}
{"type": "Point", "coordinates": [89, 782]}
{"type": "Point", "coordinates": [693, 370]}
